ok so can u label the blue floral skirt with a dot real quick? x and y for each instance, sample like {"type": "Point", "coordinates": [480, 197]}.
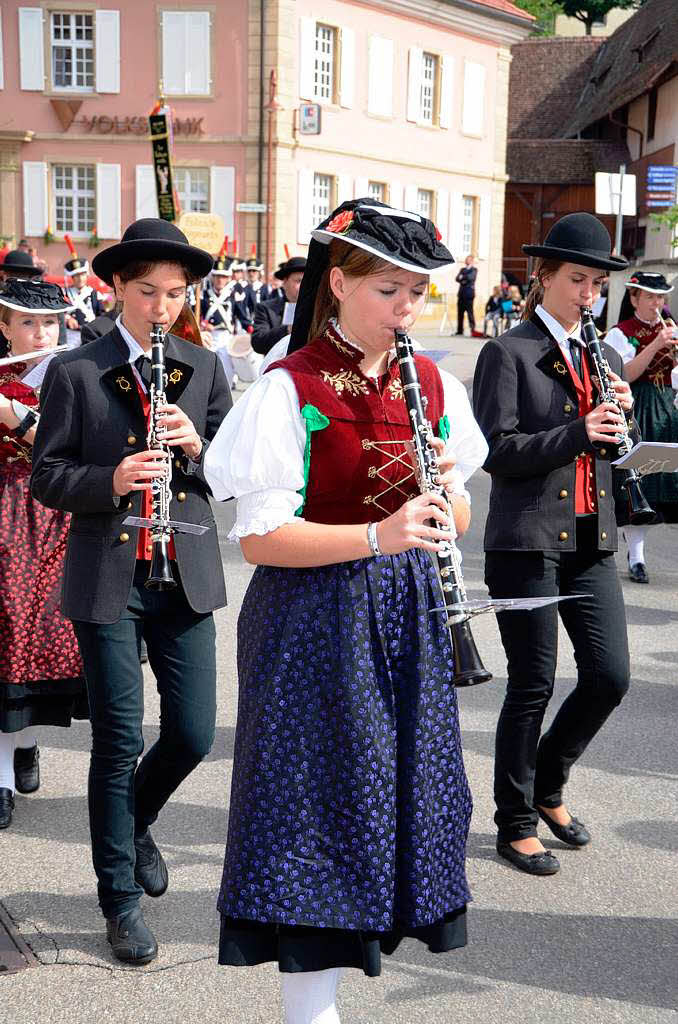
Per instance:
{"type": "Point", "coordinates": [350, 806]}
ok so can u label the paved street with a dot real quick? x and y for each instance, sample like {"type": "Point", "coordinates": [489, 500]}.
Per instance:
{"type": "Point", "coordinates": [596, 943]}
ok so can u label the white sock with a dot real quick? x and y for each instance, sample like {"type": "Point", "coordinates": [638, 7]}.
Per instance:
{"type": "Point", "coordinates": [635, 540]}
{"type": "Point", "coordinates": [26, 739]}
{"type": "Point", "coordinates": [7, 760]}
{"type": "Point", "coordinates": [308, 997]}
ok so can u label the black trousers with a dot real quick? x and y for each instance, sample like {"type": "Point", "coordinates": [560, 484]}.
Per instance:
{"type": "Point", "coordinates": [531, 770]}
{"type": "Point", "coordinates": [465, 305]}
{"type": "Point", "coordinates": [124, 799]}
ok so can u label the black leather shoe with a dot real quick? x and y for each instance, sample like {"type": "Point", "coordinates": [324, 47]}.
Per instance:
{"type": "Point", "coordinates": [6, 807]}
{"type": "Point", "coordinates": [27, 769]}
{"type": "Point", "coordinates": [638, 573]}
{"type": "Point", "coordinates": [132, 941]}
{"type": "Point", "coordinates": [532, 863]}
{"type": "Point", "coordinates": [150, 870]}
{"type": "Point", "coordinates": [574, 833]}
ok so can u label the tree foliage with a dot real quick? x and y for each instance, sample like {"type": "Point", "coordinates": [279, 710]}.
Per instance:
{"type": "Point", "coordinates": [586, 11]}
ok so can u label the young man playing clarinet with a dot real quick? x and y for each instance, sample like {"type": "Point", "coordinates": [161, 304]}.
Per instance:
{"type": "Point", "coordinates": [91, 459]}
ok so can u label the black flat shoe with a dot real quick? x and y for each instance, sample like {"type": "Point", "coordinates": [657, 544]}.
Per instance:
{"type": "Point", "coordinates": [638, 573]}
{"type": "Point", "coordinates": [531, 863]}
{"type": "Point", "coordinates": [6, 807]}
{"type": "Point", "coordinates": [574, 833]}
{"type": "Point", "coordinates": [150, 870]}
{"type": "Point", "coordinates": [27, 769]}
{"type": "Point", "coordinates": [132, 941]}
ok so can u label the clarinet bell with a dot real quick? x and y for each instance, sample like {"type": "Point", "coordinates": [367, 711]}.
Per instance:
{"type": "Point", "coordinates": [640, 513]}
{"type": "Point", "coordinates": [160, 575]}
{"type": "Point", "coordinates": [468, 668]}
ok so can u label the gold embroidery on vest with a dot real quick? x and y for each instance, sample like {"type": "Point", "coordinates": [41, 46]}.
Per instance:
{"type": "Point", "coordinates": [395, 388]}
{"type": "Point", "coordinates": [393, 457]}
{"type": "Point", "coordinates": [338, 344]}
{"type": "Point", "coordinates": [346, 380]}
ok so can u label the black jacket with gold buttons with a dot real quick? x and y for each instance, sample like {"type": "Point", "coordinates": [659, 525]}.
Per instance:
{"type": "Point", "coordinates": [529, 413]}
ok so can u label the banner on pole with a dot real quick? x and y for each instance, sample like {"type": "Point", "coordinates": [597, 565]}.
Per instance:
{"type": "Point", "coordinates": [162, 164]}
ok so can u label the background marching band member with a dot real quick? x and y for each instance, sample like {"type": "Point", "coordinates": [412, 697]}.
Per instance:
{"type": "Point", "coordinates": [551, 530]}
{"type": "Point", "coordinates": [41, 680]}
{"type": "Point", "coordinates": [349, 803]}
{"type": "Point", "coordinates": [82, 297]}
{"type": "Point", "coordinates": [647, 344]}
{"type": "Point", "coordinates": [91, 459]}
{"type": "Point", "coordinates": [268, 315]}
{"type": "Point", "coordinates": [254, 270]}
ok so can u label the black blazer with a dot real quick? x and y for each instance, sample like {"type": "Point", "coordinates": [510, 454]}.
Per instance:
{"type": "Point", "coordinates": [526, 406]}
{"type": "Point", "coordinates": [91, 417]}
{"type": "Point", "coordinates": [96, 328]}
{"type": "Point", "coordinates": [268, 325]}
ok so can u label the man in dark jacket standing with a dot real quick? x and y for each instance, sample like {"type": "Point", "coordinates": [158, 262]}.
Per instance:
{"type": "Point", "coordinates": [466, 279]}
{"type": "Point", "coordinates": [268, 316]}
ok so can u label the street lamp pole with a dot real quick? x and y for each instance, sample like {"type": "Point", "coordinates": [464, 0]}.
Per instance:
{"type": "Point", "coordinates": [272, 109]}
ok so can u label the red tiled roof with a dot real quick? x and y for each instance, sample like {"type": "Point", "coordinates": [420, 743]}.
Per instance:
{"type": "Point", "coordinates": [507, 7]}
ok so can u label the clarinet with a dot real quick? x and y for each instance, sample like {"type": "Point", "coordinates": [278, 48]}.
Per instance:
{"type": "Point", "coordinates": [640, 512]}
{"type": "Point", "coordinates": [468, 668]}
{"type": "Point", "coordinates": [160, 574]}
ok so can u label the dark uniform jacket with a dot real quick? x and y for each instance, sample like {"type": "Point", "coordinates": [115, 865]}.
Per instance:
{"type": "Point", "coordinates": [268, 325]}
{"type": "Point", "coordinates": [91, 418]}
{"type": "Point", "coordinates": [466, 278]}
{"type": "Point", "coordinates": [526, 405]}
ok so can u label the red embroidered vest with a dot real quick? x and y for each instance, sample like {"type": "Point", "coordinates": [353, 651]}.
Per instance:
{"type": "Point", "coordinates": [640, 334]}
{"type": "Point", "coordinates": [356, 465]}
{"type": "Point", "coordinates": [16, 451]}
{"type": "Point", "coordinates": [585, 473]}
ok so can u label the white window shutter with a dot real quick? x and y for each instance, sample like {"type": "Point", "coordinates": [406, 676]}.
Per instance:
{"type": "Point", "coordinates": [2, 72]}
{"type": "Point", "coordinates": [31, 49]}
{"type": "Point", "coordinates": [344, 188]}
{"type": "Point", "coordinates": [473, 116]}
{"type": "Point", "coordinates": [174, 53]}
{"type": "Point", "coordinates": [380, 76]}
{"type": "Point", "coordinates": [456, 229]}
{"type": "Point", "coordinates": [443, 213]}
{"type": "Point", "coordinates": [360, 188]}
{"type": "Point", "coordinates": [197, 53]}
{"type": "Point", "coordinates": [304, 206]}
{"type": "Point", "coordinates": [35, 198]}
{"type": "Point", "coordinates": [146, 197]}
{"type": "Point", "coordinates": [107, 51]}
{"type": "Point", "coordinates": [108, 201]}
{"type": "Point", "coordinates": [411, 198]}
{"type": "Point", "coordinates": [222, 196]}
{"type": "Point", "coordinates": [484, 227]}
{"type": "Point", "coordinates": [446, 88]}
{"type": "Point", "coordinates": [414, 84]}
{"type": "Point", "coordinates": [306, 57]}
{"type": "Point", "coordinates": [347, 68]}
{"type": "Point", "coordinates": [395, 195]}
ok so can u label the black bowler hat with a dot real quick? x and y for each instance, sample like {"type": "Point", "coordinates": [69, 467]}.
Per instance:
{"type": "Point", "coordinates": [579, 238]}
{"type": "Point", "coordinates": [155, 240]}
{"type": "Point", "coordinates": [294, 265]}
{"type": "Point", "coordinates": [19, 260]}
{"type": "Point", "coordinates": [76, 266]}
{"type": "Point", "coordinates": [33, 296]}
{"type": "Point", "coordinates": [647, 282]}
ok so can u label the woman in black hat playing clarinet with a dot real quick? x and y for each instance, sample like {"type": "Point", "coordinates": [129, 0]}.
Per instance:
{"type": "Point", "coordinates": [91, 458]}
{"type": "Point", "coordinates": [647, 344]}
{"type": "Point", "coordinates": [349, 802]}
{"type": "Point", "coordinates": [551, 530]}
{"type": "Point", "coordinates": [41, 679]}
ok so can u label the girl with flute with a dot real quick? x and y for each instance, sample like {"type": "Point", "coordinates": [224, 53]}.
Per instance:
{"type": "Point", "coordinates": [349, 803]}
{"type": "Point", "coordinates": [647, 344]}
{"type": "Point", "coordinates": [551, 530]}
{"type": "Point", "coordinates": [41, 680]}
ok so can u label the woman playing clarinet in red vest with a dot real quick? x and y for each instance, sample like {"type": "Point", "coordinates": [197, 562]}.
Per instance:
{"type": "Point", "coordinates": [349, 805]}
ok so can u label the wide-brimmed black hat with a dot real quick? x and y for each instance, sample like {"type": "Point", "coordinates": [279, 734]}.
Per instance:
{"type": "Point", "coordinates": [33, 296]}
{"type": "Point", "coordinates": [405, 239]}
{"type": "Point", "coordinates": [649, 282]}
{"type": "Point", "coordinates": [154, 240]}
{"type": "Point", "coordinates": [294, 265]}
{"type": "Point", "coordinates": [579, 238]}
{"type": "Point", "coordinates": [17, 259]}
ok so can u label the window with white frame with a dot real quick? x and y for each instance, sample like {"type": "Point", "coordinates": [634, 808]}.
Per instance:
{"type": "Point", "coordinates": [193, 188]}
{"type": "Point", "coordinates": [322, 196]}
{"type": "Point", "coordinates": [468, 224]}
{"type": "Point", "coordinates": [72, 47]}
{"type": "Point", "coordinates": [74, 198]}
{"type": "Point", "coordinates": [425, 202]}
{"type": "Point", "coordinates": [324, 63]}
{"type": "Point", "coordinates": [377, 190]}
{"type": "Point", "coordinates": [429, 72]}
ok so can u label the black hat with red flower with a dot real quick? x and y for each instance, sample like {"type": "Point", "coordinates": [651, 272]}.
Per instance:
{"type": "Point", "coordinates": [649, 282]}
